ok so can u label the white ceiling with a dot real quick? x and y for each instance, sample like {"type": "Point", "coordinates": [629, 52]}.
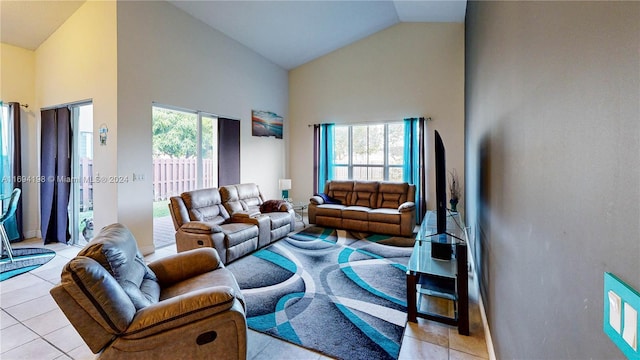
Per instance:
{"type": "Point", "coordinates": [289, 33]}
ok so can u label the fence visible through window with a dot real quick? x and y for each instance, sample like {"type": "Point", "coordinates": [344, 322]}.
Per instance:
{"type": "Point", "coordinates": [172, 176]}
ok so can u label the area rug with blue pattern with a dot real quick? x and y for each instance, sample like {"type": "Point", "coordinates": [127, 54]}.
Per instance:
{"type": "Point", "coordinates": [340, 293]}
{"type": "Point", "coordinates": [24, 260]}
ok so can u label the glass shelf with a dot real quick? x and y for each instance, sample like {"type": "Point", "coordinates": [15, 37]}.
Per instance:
{"type": "Point", "coordinates": [444, 275]}
{"type": "Point", "coordinates": [428, 229]}
{"type": "Point", "coordinates": [421, 260]}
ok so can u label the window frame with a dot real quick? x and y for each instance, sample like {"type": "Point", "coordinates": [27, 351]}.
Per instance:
{"type": "Point", "coordinates": [351, 164]}
{"type": "Point", "coordinates": [199, 118]}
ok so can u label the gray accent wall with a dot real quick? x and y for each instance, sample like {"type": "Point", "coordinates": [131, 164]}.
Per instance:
{"type": "Point", "coordinates": [552, 129]}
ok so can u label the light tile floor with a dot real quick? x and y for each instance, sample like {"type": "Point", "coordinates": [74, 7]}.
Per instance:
{"type": "Point", "coordinates": [33, 327]}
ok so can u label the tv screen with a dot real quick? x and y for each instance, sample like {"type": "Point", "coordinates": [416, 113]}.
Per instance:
{"type": "Point", "coordinates": [441, 185]}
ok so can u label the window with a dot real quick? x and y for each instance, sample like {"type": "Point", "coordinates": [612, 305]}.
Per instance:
{"type": "Point", "coordinates": [6, 126]}
{"type": "Point", "coordinates": [369, 152]}
{"type": "Point", "coordinates": [184, 156]}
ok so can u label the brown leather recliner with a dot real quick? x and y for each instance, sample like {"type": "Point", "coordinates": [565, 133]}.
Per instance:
{"type": "Point", "coordinates": [201, 220]}
{"type": "Point", "coordinates": [185, 306]}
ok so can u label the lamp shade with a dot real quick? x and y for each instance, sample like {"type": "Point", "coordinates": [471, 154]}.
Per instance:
{"type": "Point", "coordinates": [284, 184]}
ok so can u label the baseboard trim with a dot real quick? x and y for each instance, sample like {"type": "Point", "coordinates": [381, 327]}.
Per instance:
{"type": "Point", "coordinates": [483, 314]}
{"type": "Point", "coordinates": [147, 250]}
{"type": "Point", "coordinates": [487, 332]}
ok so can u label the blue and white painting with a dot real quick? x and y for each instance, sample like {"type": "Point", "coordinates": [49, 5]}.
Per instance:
{"type": "Point", "coordinates": [266, 123]}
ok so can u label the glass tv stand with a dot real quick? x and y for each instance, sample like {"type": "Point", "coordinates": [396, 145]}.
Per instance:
{"type": "Point", "coordinates": [443, 275]}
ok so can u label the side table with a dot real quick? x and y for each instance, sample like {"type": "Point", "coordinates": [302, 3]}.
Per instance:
{"type": "Point", "coordinates": [299, 209]}
{"type": "Point", "coordinates": [446, 279]}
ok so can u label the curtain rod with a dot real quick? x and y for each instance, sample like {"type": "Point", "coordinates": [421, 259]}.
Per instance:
{"type": "Point", "coordinates": [81, 102]}
{"type": "Point", "coordinates": [369, 122]}
{"type": "Point", "coordinates": [26, 106]}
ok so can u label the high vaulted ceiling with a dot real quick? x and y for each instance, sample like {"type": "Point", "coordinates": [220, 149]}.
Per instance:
{"type": "Point", "coordinates": [289, 33]}
{"type": "Point", "coordinates": [28, 24]}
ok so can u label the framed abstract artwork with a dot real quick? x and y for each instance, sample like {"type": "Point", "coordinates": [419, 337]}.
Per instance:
{"type": "Point", "coordinates": [266, 123]}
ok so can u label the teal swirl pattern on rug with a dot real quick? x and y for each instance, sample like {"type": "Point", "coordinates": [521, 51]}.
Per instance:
{"type": "Point", "coordinates": [337, 292]}
{"type": "Point", "coordinates": [24, 260]}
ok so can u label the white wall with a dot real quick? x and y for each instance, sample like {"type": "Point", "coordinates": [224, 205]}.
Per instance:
{"type": "Point", "coordinates": [78, 62]}
{"type": "Point", "coordinates": [17, 83]}
{"type": "Point", "coordinates": [169, 57]}
{"type": "Point", "coordinates": [410, 69]}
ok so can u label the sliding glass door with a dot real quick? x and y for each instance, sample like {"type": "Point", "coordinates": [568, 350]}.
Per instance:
{"type": "Point", "coordinates": [81, 195]}
{"type": "Point", "coordinates": [184, 159]}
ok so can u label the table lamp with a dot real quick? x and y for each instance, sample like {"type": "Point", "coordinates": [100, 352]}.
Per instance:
{"type": "Point", "coordinates": [285, 186]}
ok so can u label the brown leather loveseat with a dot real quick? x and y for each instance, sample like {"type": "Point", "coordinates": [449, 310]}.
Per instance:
{"type": "Point", "coordinates": [235, 220]}
{"type": "Point", "coordinates": [185, 306]}
{"type": "Point", "coordinates": [368, 206]}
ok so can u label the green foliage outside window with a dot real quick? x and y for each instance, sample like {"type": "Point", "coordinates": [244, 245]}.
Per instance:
{"type": "Point", "coordinates": [175, 134]}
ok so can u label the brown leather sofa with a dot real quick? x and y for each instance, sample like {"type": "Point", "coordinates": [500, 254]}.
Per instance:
{"type": "Point", "coordinates": [186, 306]}
{"type": "Point", "coordinates": [235, 220]}
{"type": "Point", "coordinates": [367, 206]}
{"type": "Point", "coordinates": [246, 200]}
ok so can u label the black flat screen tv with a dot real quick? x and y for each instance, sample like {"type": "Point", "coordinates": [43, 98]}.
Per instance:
{"type": "Point", "coordinates": [440, 247]}
{"type": "Point", "coordinates": [441, 185]}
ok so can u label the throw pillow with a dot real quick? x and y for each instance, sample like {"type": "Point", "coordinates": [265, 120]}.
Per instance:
{"type": "Point", "coordinates": [271, 206]}
{"type": "Point", "coordinates": [328, 199]}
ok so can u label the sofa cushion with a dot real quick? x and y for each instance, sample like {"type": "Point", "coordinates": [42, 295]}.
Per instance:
{"type": "Point", "coordinates": [236, 233]}
{"type": "Point", "coordinates": [117, 251]}
{"type": "Point", "coordinates": [392, 195]}
{"type": "Point", "coordinates": [340, 190]}
{"type": "Point", "coordinates": [330, 210]}
{"type": "Point", "coordinates": [365, 193]}
{"type": "Point", "coordinates": [242, 197]}
{"type": "Point", "coordinates": [279, 219]}
{"type": "Point", "coordinates": [356, 213]}
{"type": "Point", "coordinates": [250, 195]}
{"type": "Point", "coordinates": [389, 216]}
{"type": "Point", "coordinates": [205, 205]}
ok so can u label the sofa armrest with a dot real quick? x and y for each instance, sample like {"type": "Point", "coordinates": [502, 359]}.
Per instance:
{"type": "Point", "coordinates": [285, 206]}
{"type": "Point", "coordinates": [245, 214]}
{"type": "Point", "coordinates": [243, 217]}
{"type": "Point", "coordinates": [316, 200]}
{"type": "Point", "coordinates": [179, 311]}
{"type": "Point", "coordinates": [407, 206]}
{"type": "Point", "coordinates": [185, 265]}
{"type": "Point", "coordinates": [200, 227]}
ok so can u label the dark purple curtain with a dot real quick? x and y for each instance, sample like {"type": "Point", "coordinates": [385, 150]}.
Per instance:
{"type": "Point", "coordinates": [55, 167]}
{"type": "Point", "coordinates": [228, 151]}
